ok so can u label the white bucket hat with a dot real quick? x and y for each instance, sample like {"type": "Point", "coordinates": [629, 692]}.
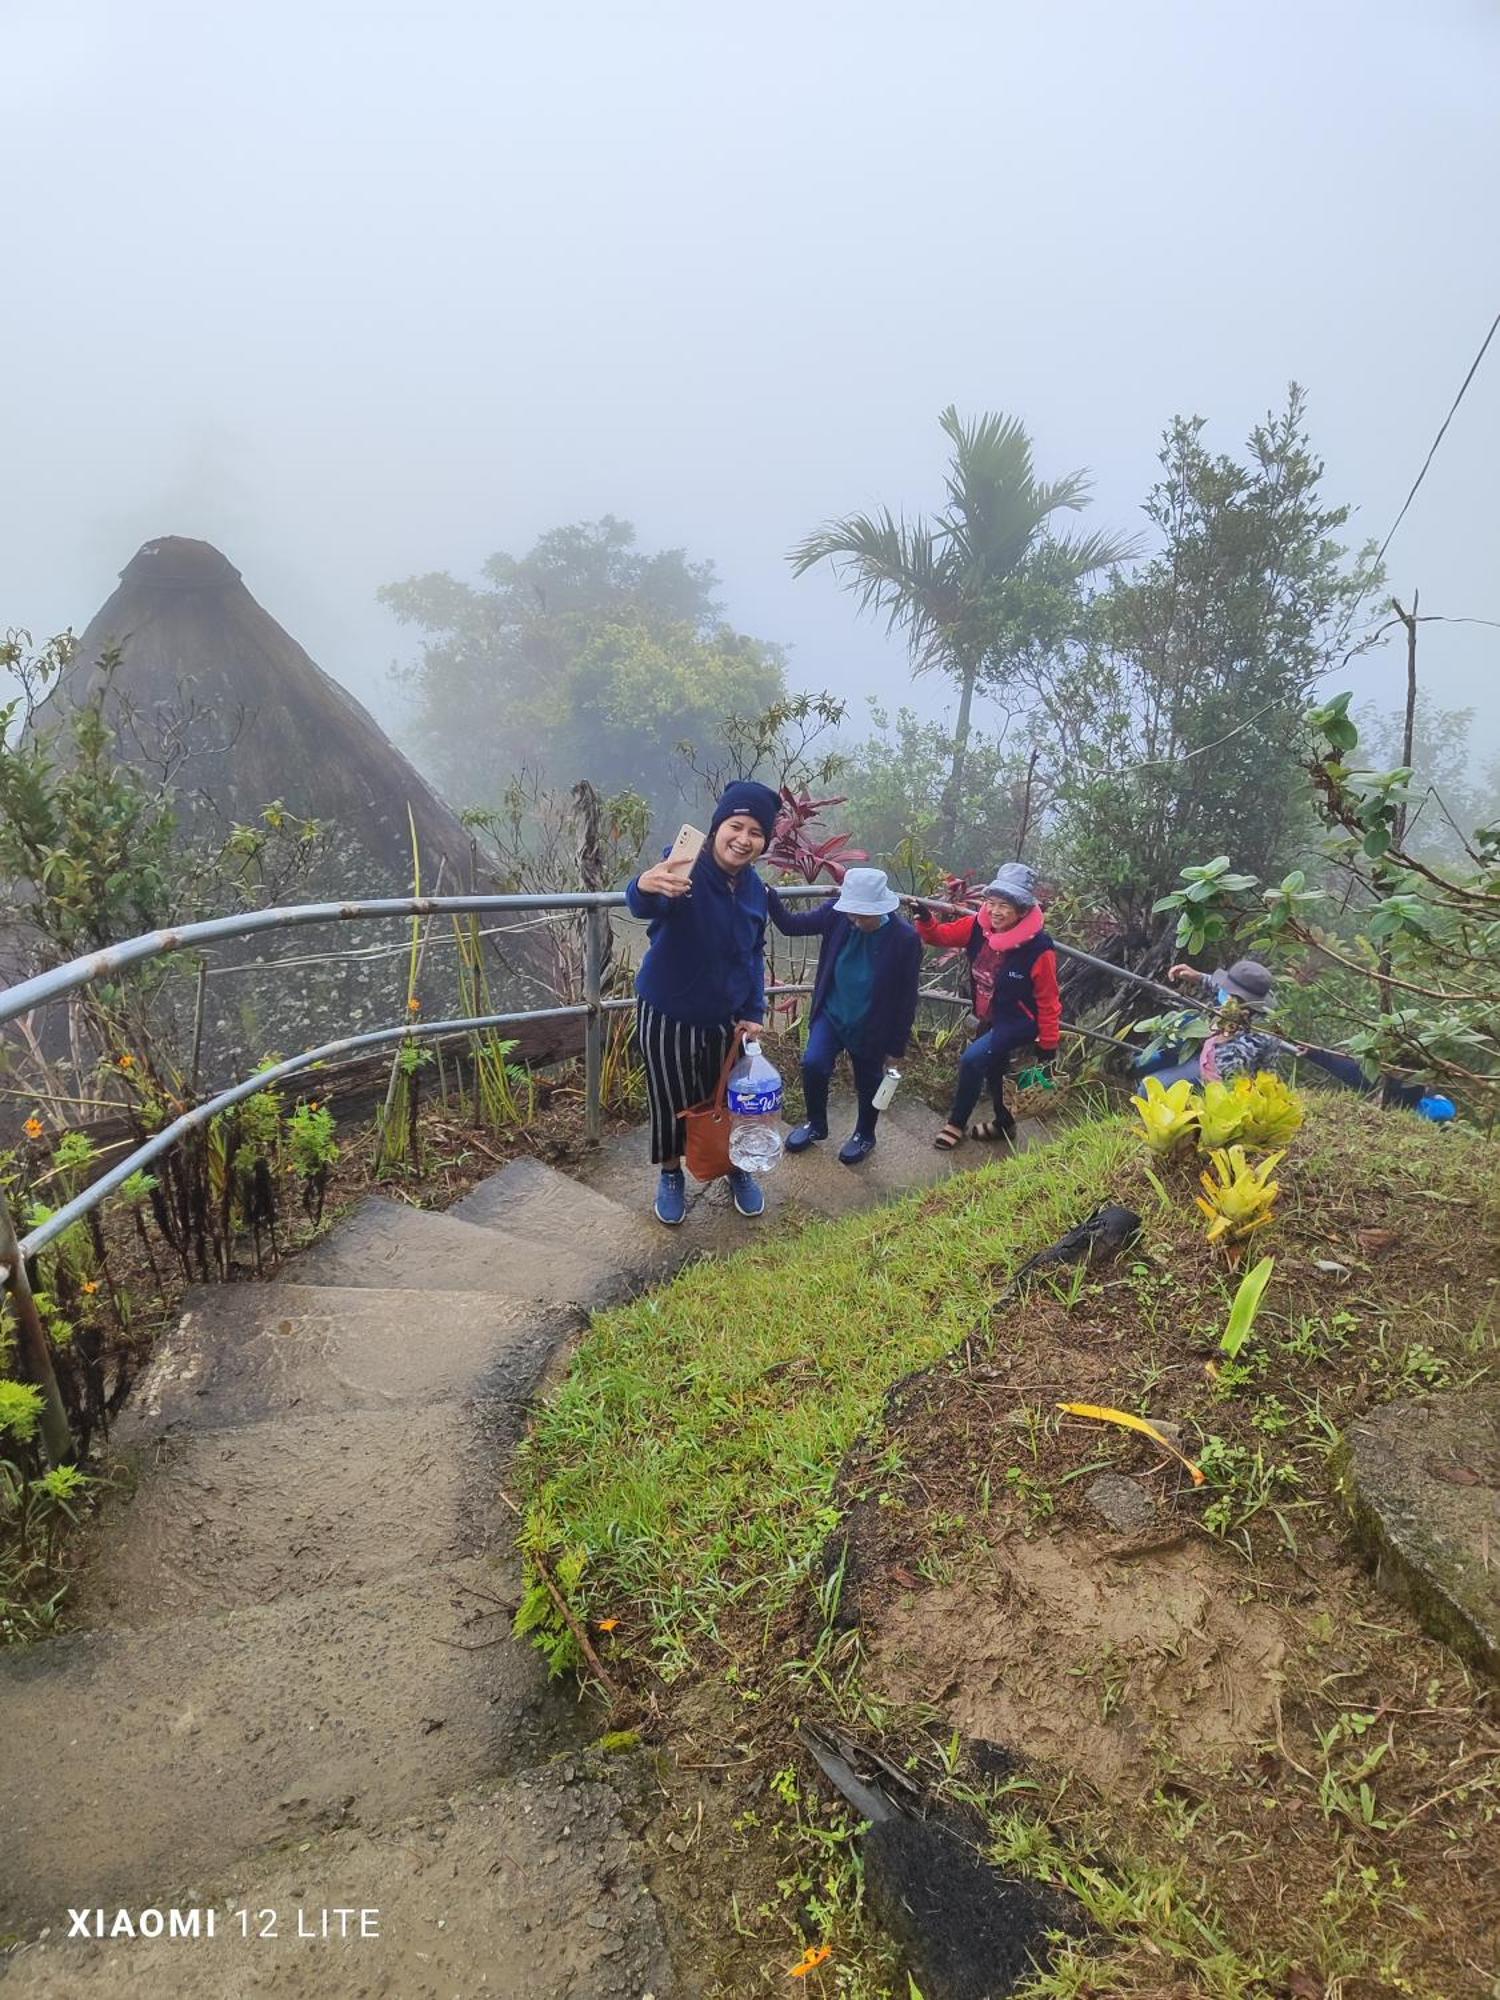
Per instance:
{"type": "Point", "coordinates": [867, 893]}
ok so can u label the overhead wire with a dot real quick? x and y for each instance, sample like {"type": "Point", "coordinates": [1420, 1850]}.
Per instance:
{"type": "Point", "coordinates": [1463, 390]}
{"type": "Point", "coordinates": [1442, 433]}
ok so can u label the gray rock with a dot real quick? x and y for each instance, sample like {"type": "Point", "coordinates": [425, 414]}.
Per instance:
{"type": "Point", "coordinates": [1124, 1504]}
{"type": "Point", "coordinates": [1421, 1481]}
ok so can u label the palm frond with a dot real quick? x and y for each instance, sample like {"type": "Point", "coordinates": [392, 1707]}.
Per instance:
{"type": "Point", "coordinates": [898, 569]}
{"type": "Point", "coordinates": [932, 579]}
{"type": "Point", "coordinates": [1084, 555]}
{"type": "Point", "coordinates": [1073, 491]}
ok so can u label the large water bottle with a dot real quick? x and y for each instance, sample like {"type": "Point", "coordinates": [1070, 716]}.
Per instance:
{"type": "Point", "coordinates": [754, 1109]}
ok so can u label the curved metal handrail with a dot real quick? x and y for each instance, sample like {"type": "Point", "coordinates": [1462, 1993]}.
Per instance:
{"type": "Point", "coordinates": [82, 971]}
{"type": "Point", "coordinates": [90, 966]}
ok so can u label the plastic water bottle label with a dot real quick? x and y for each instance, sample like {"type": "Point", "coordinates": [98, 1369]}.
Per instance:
{"type": "Point", "coordinates": [754, 1103]}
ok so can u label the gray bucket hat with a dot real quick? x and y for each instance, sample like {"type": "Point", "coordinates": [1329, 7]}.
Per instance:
{"type": "Point", "coordinates": [1016, 882]}
{"type": "Point", "coordinates": [1247, 980]}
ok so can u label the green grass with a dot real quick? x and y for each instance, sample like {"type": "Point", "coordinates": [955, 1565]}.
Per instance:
{"type": "Point", "coordinates": [688, 1464]}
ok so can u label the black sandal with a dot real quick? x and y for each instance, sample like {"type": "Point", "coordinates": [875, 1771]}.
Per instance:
{"type": "Point", "coordinates": [993, 1129]}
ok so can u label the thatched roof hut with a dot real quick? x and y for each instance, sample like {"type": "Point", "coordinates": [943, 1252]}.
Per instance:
{"type": "Point", "coordinates": [255, 720]}
{"type": "Point", "coordinates": [207, 682]}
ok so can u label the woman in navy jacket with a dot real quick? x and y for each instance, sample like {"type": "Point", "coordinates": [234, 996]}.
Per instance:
{"type": "Point", "coordinates": [702, 978]}
{"type": "Point", "coordinates": [864, 999]}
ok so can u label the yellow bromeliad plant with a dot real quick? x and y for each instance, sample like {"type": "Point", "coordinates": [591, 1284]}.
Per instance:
{"type": "Point", "coordinates": [1168, 1113]}
{"type": "Point", "coordinates": [1273, 1110]}
{"type": "Point", "coordinates": [1223, 1111]}
{"type": "Point", "coordinates": [1238, 1198]}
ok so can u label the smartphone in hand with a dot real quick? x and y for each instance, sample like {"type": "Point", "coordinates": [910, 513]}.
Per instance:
{"type": "Point", "coordinates": [688, 845]}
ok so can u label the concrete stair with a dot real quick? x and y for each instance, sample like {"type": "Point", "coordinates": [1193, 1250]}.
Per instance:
{"type": "Point", "coordinates": [529, 1232]}
{"type": "Point", "coordinates": [298, 1622]}
{"type": "Point", "coordinates": [292, 1675]}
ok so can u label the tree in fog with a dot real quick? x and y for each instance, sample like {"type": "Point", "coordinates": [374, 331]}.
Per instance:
{"type": "Point", "coordinates": [586, 657]}
{"type": "Point", "coordinates": [1176, 720]}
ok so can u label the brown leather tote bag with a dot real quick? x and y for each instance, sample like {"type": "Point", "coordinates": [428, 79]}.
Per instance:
{"type": "Point", "coordinates": [707, 1149]}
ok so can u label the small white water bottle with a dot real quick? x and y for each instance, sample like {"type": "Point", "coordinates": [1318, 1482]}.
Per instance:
{"type": "Point", "coordinates": [754, 1109]}
{"type": "Point", "coordinates": [886, 1089]}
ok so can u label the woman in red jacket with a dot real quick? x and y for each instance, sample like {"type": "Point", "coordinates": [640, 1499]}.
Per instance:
{"type": "Point", "coordinates": [1013, 980]}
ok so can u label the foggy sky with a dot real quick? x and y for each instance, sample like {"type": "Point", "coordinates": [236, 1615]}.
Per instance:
{"type": "Point", "coordinates": [356, 291]}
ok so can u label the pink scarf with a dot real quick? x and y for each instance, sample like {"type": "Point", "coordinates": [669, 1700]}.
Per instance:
{"type": "Point", "coordinates": [986, 966]}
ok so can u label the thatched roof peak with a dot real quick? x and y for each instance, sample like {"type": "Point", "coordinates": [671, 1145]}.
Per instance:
{"type": "Point", "coordinates": [176, 562]}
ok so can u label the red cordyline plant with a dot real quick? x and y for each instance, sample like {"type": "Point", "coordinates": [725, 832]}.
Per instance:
{"type": "Point", "coordinates": [794, 849]}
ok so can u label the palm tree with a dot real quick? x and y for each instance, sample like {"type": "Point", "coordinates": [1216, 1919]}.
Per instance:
{"type": "Point", "coordinates": [943, 582]}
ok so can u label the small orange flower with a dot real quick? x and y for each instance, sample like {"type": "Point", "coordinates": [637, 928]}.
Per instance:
{"type": "Point", "coordinates": [414, 1005]}
{"type": "Point", "coordinates": [33, 1128]}
{"type": "Point", "coordinates": [608, 1624]}
{"type": "Point", "coordinates": [90, 1286]}
{"type": "Point", "coordinates": [810, 1960]}
{"type": "Point", "coordinates": [127, 1061]}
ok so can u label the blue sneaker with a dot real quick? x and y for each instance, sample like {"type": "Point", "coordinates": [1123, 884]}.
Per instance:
{"type": "Point", "coordinates": [804, 1136]}
{"type": "Point", "coordinates": [671, 1197]}
{"type": "Point", "coordinates": [856, 1149]}
{"type": "Point", "coordinates": [749, 1195]}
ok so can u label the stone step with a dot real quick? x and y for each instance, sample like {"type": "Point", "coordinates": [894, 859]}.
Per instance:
{"type": "Point", "coordinates": [539, 1198]}
{"type": "Point", "coordinates": [222, 1520]}
{"type": "Point", "coordinates": [242, 1352]}
{"type": "Point", "coordinates": [525, 1891]}
{"type": "Point", "coordinates": [136, 1761]}
{"type": "Point", "coordinates": [556, 1215]}
{"type": "Point", "coordinates": [575, 1259]}
{"type": "Point", "coordinates": [1421, 1481]}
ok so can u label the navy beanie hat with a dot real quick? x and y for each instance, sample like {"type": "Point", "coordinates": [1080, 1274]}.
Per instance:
{"type": "Point", "coordinates": [757, 802]}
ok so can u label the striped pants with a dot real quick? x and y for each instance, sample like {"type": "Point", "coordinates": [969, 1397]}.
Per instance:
{"type": "Point", "coordinates": [682, 1068]}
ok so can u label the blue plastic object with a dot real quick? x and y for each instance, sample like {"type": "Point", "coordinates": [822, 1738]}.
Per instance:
{"type": "Point", "coordinates": [1441, 1110]}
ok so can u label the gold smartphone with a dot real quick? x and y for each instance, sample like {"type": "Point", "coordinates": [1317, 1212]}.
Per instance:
{"type": "Point", "coordinates": [688, 844]}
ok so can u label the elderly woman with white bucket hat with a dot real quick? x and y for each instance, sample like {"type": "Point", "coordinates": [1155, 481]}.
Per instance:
{"type": "Point", "coordinates": [864, 1000]}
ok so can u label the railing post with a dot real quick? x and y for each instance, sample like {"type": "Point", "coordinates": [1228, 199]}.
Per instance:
{"type": "Point", "coordinates": [31, 1344]}
{"type": "Point", "coordinates": [593, 1025]}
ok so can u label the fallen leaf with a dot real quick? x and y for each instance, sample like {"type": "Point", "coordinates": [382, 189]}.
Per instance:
{"type": "Point", "coordinates": [907, 1579]}
{"type": "Point", "coordinates": [1375, 1242]}
{"type": "Point", "coordinates": [608, 1624]}
{"type": "Point", "coordinates": [1103, 1413]}
{"type": "Point", "coordinates": [1453, 1474]}
{"type": "Point", "coordinates": [810, 1960]}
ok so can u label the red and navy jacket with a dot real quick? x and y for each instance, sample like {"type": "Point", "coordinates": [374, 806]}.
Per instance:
{"type": "Point", "coordinates": [1025, 992]}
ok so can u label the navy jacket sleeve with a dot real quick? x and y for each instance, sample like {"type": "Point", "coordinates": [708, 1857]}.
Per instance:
{"type": "Point", "coordinates": [906, 978]}
{"type": "Point", "coordinates": [755, 1006]}
{"type": "Point", "coordinates": [805, 923]}
{"type": "Point", "coordinates": [646, 903]}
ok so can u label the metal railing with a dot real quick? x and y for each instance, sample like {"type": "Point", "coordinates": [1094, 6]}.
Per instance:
{"type": "Point", "coordinates": [59, 981]}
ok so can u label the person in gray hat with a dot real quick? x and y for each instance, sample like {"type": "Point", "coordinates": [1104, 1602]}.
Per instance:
{"type": "Point", "coordinates": [1014, 992]}
{"type": "Point", "coordinates": [1243, 994]}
